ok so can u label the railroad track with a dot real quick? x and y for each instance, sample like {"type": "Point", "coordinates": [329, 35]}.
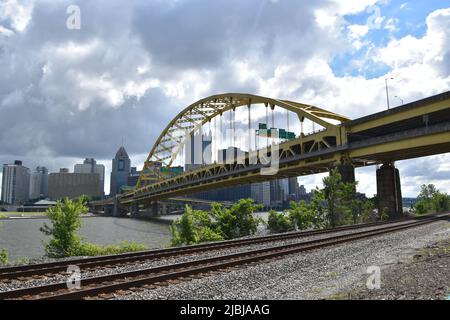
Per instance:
{"type": "Point", "coordinates": [36, 271]}
{"type": "Point", "coordinates": [103, 287]}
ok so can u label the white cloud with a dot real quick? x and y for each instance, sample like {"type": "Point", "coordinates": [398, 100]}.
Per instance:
{"type": "Point", "coordinates": [18, 13]}
{"type": "Point", "coordinates": [429, 50]}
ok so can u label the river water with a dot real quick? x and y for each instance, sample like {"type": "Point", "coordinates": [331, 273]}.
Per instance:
{"type": "Point", "coordinates": [22, 238]}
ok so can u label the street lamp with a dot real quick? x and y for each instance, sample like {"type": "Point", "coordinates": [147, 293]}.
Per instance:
{"type": "Point", "coordinates": [387, 91]}
{"type": "Point", "coordinates": [399, 99]}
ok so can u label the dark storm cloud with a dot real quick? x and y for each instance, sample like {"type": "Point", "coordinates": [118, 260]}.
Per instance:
{"type": "Point", "coordinates": [205, 34]}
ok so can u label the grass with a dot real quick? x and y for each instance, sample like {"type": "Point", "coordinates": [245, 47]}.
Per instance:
{"type": "Point", "coordinates": [339, 296]}
{"type": "Point", "coordinates": [92, 250]}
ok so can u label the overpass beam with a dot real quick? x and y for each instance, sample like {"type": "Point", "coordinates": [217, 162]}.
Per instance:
{"type": "Point", "coordinates": [389, 191]}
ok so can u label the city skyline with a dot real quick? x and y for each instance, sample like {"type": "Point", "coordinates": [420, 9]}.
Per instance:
{"type": "Point", "coordinates": [145, 81]}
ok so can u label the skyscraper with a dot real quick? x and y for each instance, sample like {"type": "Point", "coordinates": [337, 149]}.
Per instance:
{"type": "Point", "coordinates": [90, 166]}
{"type": "Point", "coordinates": [15, 183]}
{"type": "Point", "coordinates": [39, 183]}
{"type": "Point", "coordinates": [121, 166]}
{"type": "Point", "coordinates": [261, 193]}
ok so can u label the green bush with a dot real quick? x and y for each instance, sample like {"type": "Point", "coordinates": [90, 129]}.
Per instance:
{"type": "Point", "coordinates": [430, 200]}
{"type": "Point", "coordinates": [279, 222]}
{"type": "Point", "coordinates": [237, 221]}
{"type": "Point", "coordinates": [384, 215]}
{"type": "Point", "coordinates": [90, 249]}
{"type": "Point", "coordinates": [196, 226]}
{"type": "Point", "coordinates": [4, 257]}
{"type": "Point", "coordinates": [302, 215]}
{"type": "Point", "coordinates": [65, 220]}
{"type": "Point", "coordinates": [441, 202]}
{"type": "Point", "coordinates": [422, 207]}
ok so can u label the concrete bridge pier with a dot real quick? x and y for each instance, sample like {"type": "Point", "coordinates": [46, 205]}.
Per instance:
{"type": "Point", "coordinates": [347, 172]}
{"type": "Point", "coordinates": [118, 211]}
{"type": "Point", "coordinates": [134, 210]}
{"type": "Point", "coordinates": [152, 211]}
{"type": "Point", "coordinates": [389, 190]}
{"type": "Point", "coordinates": [108, 210]}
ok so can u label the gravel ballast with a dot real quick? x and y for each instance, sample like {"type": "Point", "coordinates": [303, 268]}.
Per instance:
{"type": "Point", "coordinates": [16, 284]}
{"type": "Point", "coordinates": [328, 273]}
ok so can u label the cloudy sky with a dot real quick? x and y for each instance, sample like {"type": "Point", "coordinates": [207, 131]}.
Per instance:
{"type": "Point", "coordinates": [67, 94]}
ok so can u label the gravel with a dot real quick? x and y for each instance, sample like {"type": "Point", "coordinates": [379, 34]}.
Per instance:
{"type": "Point", "coordinates": [319, 274]}
{"type": "Point", "coordinates": [303, 264]}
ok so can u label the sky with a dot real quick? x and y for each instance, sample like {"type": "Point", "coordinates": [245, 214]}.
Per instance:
{"type": "Point", "coordinates": [69, 93]}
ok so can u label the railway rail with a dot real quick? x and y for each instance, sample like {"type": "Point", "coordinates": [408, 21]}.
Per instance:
{"type": "Point", "coordinates": [104, 287]}
{"type": "Point", "coordinates": [33, 271]}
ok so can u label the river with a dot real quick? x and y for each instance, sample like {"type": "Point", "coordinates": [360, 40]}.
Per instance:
{"type": "Point", "coordinates": [22, 238]}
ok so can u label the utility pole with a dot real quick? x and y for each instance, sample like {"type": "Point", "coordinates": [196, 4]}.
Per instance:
{"type": "Point", "coordinates": [387, 91]}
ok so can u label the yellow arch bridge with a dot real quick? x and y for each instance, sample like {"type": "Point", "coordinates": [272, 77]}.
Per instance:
{"type": "Point", "coordinates": [417, 129]}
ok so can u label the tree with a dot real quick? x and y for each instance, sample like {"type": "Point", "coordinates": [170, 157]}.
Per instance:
{"type": "Point", "coordinates": [431, 200]}
{"type": "Point", "coordinates": [301, 215]}
{"type": "Point", "coordinates": [336, 195]}
{"type": "Point", "coordinates": [427, 192]}
{"type": "Point", "coordinates": [194, 226]}
{"type": "Point", "coordinates": [279, 222]}
{"type": "Point", "coordinates": [237, 221]}
{"type": "Point", "coordinates": [4, 258]}
{"type": "Point", "coordinates": [65, 218]}
{"type": "Point", "coordinates": [441, 202]}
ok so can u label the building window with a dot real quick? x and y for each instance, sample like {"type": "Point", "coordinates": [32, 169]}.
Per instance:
{"type": "Point", "coordinates": [121, 165]}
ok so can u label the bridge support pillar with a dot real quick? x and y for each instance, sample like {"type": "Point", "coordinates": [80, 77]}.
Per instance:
{"type": "Point", "coordinates": [117, 211]}
{"type": "Point", "coordinates": [134, 209]}
{"type": "Point", "coordinates": [389, 191]}
{"type": "Point", "coordinates": [164, 208]}
{"type": "Point", "coordinates": [108, 210]}
{"type": "Point", "coordinates": [347, 172]}
{"type": "Point", "coordinates": [153, 210]}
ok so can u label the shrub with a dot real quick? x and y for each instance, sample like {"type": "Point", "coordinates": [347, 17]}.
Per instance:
{"type": "Point", "coordinates": [301, 215]}
{"type": "Point", "coordinates": [194, 226]}
{"type": "Point", "coordinates": [237, 221]}
{"type": "Point", "coordinates": [65, 218]}
{"type": "Point", "coordinates": [279, 222]}
{"type": "Point", "coordinates": [4, 257]}
{"type": "Point", "coordinates": [384, 215]}
{"type": "Point", "coordinates": [422, 207]}
{"type": "Point", "coordinates": [441, 202]}
{"type": "Point", "coordinates": [90, 249]}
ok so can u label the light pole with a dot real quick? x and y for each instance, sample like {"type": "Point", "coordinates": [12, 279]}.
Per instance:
{"type": "Point", "coordinates": [387, 91]}
{"type": "Point", "coordinates": [399, 99]}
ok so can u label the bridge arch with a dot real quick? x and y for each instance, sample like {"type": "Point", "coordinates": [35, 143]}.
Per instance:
{"type": "Point", "coordinates": [192, 118]}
